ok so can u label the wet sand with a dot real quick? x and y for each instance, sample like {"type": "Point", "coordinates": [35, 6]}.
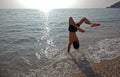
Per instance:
{"type": "Point", "coordinates": [106, 68]}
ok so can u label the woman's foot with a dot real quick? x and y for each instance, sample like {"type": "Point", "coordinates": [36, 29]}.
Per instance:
{"type": "Point", "coordinates": [95, 24]}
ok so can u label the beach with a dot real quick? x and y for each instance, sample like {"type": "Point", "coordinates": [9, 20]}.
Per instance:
{"type": "Point", "coordinates": [34, 44]}
{"type": "Point", "coordinates": [106, 68]}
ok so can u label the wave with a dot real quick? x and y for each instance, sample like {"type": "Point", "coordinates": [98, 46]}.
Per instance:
{"type": "Point", "coordinates": [61, 64]}
{"type": "Point", "coordinates": [104, 49]}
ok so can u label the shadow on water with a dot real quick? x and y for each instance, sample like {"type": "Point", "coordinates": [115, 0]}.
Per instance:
{"type": "Point", "coordinates": [85, 67]}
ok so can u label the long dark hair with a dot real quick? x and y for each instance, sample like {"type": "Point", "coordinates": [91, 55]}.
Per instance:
{"type": "Point", "coordinates": [75, 45]}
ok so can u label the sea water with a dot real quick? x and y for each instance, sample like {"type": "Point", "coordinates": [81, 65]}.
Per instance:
{"type": "Point", "coordinates": [34, 44]}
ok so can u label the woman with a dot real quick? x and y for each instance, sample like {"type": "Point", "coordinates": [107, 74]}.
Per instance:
{"type": "Point", "coordinates": [73, 27]}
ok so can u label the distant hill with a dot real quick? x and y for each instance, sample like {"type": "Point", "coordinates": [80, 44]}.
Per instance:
{"type": "Point", "coordinates": [115, 5]}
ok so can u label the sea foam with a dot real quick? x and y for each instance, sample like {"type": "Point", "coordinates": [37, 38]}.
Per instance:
{"type": "Point", "coordinates": [104, 49]}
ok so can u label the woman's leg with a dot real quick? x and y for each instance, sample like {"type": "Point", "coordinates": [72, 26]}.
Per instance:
{"type": "Point", "coordinates": [84, 19]}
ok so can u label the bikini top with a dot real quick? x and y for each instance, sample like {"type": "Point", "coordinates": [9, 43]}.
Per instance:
{"type": "Point", "coordinates": [73, 28]}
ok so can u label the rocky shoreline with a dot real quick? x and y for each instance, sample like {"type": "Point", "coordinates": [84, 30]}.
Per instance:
{"type": "Point", "coordinates": [115, 5]}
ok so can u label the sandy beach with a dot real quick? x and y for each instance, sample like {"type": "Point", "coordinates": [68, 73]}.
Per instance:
{"type": "Point", "coordinates": [106, 68]}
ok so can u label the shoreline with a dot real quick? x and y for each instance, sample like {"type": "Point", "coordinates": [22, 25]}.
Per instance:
{"type": "Point", "coordinates": [106, 68]}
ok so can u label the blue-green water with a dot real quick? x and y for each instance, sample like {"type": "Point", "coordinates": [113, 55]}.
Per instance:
{"type": "Point", "coordinates": [34, 44]}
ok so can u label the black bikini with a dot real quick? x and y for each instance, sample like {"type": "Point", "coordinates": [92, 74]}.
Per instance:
{"type": "Point", "coordinates": [73, 28]}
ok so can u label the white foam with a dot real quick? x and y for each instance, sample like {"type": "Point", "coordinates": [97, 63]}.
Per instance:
{"type": "Point", "coordinates": [37, 55]}
{"type": "Point", "coordinates": [104, 49]}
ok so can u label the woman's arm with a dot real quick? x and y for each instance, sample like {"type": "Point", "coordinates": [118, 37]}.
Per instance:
{"type": "Point", "coordinates": [69, 47]}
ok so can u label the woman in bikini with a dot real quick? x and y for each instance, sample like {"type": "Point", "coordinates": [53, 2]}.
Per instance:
{"type": "Point", "coordinates": [73, 28]}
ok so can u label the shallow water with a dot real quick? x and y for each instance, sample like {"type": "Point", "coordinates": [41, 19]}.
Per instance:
{"type": "Point", "coordinates": [34, 44]}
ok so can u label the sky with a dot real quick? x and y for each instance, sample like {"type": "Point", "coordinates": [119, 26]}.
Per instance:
{"type": "Point", "coordinates": [54, 4]}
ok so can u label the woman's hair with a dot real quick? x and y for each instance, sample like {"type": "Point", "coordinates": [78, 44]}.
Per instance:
{"type": "Point", "coordinates": [75, 45]}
